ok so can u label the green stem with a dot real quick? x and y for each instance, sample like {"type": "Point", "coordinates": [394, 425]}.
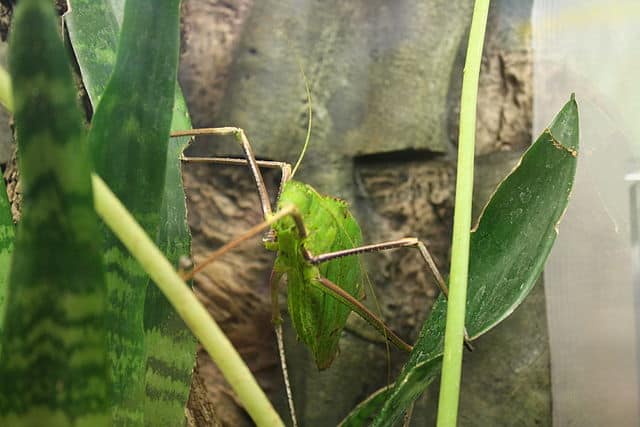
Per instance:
{"type": "Point", "coordinates": [6, 97]}
{"type": "Point", "coordinates": [454, 334]}
{"type": "Point", "coordinates": [186, 304]}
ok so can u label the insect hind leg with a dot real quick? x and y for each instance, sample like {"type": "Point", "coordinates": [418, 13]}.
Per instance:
{"type": "Point", "coordinates": [406, 242]}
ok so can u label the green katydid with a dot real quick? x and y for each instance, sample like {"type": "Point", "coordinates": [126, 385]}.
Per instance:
{"type": "Point", "coordinates": [315, 237]}
{"type": "Point", "coordinates": [316, 264]}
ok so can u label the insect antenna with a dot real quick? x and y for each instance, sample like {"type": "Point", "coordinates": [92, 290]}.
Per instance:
{"type": "Point", "coordinates": [309, 115]}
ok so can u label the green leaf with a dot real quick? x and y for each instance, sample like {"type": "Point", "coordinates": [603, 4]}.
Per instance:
{"type": "Point", "coordinates": [508, 250]}
{"type": "Point", "coordinates": [54, 367]}
{"type": "Point", "coordinates": [93, 30]}
{"type": "Point", "coordinates": [410, 389]}
{"type": "Point", "coordinates": [7, 236]}
{"type": "Point", "coordinates": [131, 156]}
{"type": "Point", "coordinates": [365, 411]}
{"type": "Point", "coordinates": [169, 344]}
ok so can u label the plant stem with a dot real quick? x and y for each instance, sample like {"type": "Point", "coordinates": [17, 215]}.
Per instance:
{"type": "Point", "coordinates": [6, 97]}
{"type": "Point", "coordinates": [454, 334]}
{"type": "Point", "coordinates": [186, 304]}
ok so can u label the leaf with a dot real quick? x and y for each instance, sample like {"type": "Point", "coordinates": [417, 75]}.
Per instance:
{"type": "Point", "coordinates": [93, 31]}
{"type": "Point", "coordinates": [54, 368]}
{"type": "Point", "coordinates": [131, 158]}
{"type": "Point", "coordinates": [170, 348]}
{"type": "Point", "coordinates": [7, 236]}
{"type": "Point", "coordinates": [363, 413]}
{"type": "Point", "coordinates": [508, 250]}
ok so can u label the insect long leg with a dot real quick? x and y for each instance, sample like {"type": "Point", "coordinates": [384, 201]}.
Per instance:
{"type": "Point", "coordinates": [256, 229]}
{"type": "Point", "coordinates": [248, 152]}
{"type": "Point", "coordinates": [347, 299]}
{"type": "Point", "coordinates": [323, 283]}
{"type": "Point", "coordinates": [393, 244]}
{"type": "Point", "coordinates": [285, 168]}
{"type": "Point", "coordinates": [274, 282]}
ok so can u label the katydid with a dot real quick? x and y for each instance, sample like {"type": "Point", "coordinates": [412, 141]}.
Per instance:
{"type": "Point", "coordinates": [316, 239]}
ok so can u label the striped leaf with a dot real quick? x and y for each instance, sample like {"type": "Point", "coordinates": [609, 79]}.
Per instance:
{"type": "Point", "coordinates": [54, 361]}
{"type": "Point", "coordinates": [131, 157]}
{"type": "Point", "coordinates": [93, 29]}
{"type": "Point", "coordinates": [7, 236]}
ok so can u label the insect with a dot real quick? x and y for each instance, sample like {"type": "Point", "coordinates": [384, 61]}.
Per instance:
{"type": "Point", "coordinates": [316, 239]}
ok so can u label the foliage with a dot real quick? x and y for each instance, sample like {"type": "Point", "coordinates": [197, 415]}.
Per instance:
{"type": "Point", "coordinates": [508, 249]}
{"type": "Point", "coordinates": [94, 27]}
{"type": "Point", "coordinates": [81, 347]}
{"type": "Point", "coordinates": [169, 352]}
{"type": "Point", "coordinates": [135, 152]}
{"type": "Point", "coordinates": [459, 271]}
{"type": "Point", "coordinates": [54, 354]}
{"type": "Point", "coordinates": [160, 321]}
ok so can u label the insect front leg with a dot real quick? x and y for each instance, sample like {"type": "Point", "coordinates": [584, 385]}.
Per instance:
{"type": "Point", "coordinates": [269, 219]}
{"type": "Point", "coordinates": [251, 161]}
{"type": "Point", "coordinates": [253, 231]}
{"type": "Point", "coordinates": [285, 168]}
{"type": "Point", "coordinates": [274, 283]}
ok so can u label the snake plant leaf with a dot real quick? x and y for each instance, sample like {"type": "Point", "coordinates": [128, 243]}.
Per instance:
{"type": "Point", "coordinates": [170, 346]}
{"type": "Point", "coordinates": [131, 158]}
{"type": "Point", "coordinates": [93, 31]}
{"type": "Point", "coordinates": [509, 247]}
{"type": "Point", "coordinates": [54, 367]}
{"type": "Point", "coordinates": [7, 235]}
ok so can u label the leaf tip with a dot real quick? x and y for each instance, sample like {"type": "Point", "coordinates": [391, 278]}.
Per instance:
{"type": "Point", "coordinates": [565, 127]}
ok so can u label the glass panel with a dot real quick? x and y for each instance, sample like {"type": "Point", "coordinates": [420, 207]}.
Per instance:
{"type": "Point", "coordinates": [592, 280]}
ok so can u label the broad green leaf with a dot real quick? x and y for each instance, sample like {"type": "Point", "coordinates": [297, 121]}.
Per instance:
{"type": "Point", "coordinates": [508, 250]}
{"type": "Point", "coordinates": [93, 30]}
{"type": "Point", "coordinates": [410, 389]}
{"type": "Point", "coordinates": [54, 362]}
{"type": "Point", "coordinates": [365, 411]}
{"type": "Point", "coordinates": [131, 156]}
